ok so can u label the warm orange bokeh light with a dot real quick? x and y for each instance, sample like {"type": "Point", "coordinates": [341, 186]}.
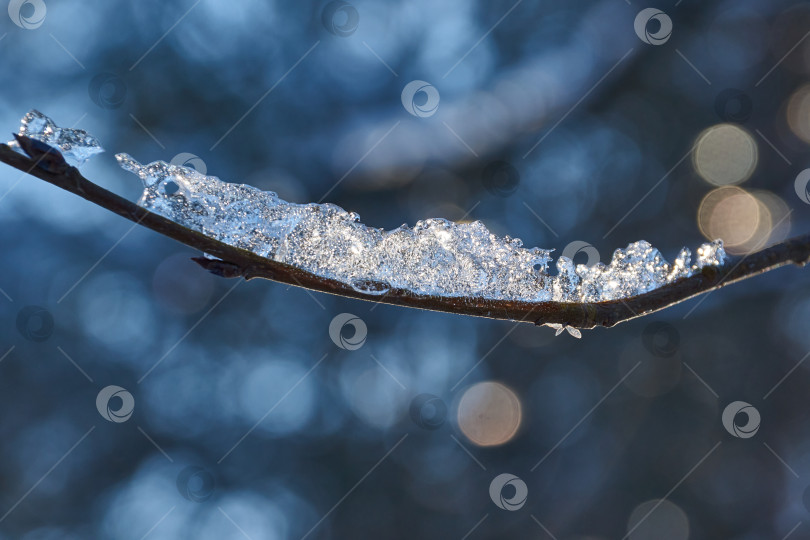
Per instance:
{"type": "Point", "coordinates": [745, 221]}
{"type": "Point", "coordinates": [798, 113]}
{"type": "Point", "coordinates": [489, 414]}
{"type": "Point", "coordinates": [725, 154]}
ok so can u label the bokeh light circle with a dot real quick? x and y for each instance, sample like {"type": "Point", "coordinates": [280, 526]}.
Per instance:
{"type": "Point", "coordinates": [658, 519]}
{"type": "Point", "coordinates": [489, 414]}
{"type": "Point", "coordinates": [725, 154]}
{"type": "Point", "coordinates": [735, 216]}
{"type": "Point", "coordinates": [746, 221]}
{"type": "Point", "coordinates": [798, 113]}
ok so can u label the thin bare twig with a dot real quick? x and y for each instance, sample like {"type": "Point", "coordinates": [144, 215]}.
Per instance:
{"type": "Point", "coordinates": [236, 262]}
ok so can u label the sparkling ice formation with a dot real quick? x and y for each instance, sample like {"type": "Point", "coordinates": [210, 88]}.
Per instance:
{"type": "Point", "coordinates": [75, 145]}
{"type": "Point", "coordinates": [435, 257]}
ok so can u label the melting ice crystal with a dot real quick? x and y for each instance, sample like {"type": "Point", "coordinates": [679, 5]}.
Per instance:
{"type": "Point", "coordinates": [435, 257]}
{"type": "Point", "coordinates": [75, 144]}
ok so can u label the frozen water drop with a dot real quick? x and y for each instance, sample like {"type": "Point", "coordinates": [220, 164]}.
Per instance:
{"type": "Point", "coordinates": [370, 287]}
{"type": "Point", "coordinates": [75, 145]}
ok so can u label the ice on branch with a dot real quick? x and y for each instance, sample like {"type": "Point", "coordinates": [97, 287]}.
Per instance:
{"type": "Point", "coordinates": [436, 257]}
{"type": "Point", "coordinates": [75, 145]}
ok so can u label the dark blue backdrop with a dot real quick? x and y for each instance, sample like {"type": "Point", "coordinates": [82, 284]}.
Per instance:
{"type": "Point", "coordinates": [248, 421]}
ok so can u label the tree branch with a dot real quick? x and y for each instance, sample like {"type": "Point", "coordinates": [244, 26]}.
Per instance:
{"type": "Point", "coordinates": [238, 262]}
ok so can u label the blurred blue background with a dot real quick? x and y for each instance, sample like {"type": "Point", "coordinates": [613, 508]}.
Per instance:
{"type": "Point", "coordinates": [555, 123]}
